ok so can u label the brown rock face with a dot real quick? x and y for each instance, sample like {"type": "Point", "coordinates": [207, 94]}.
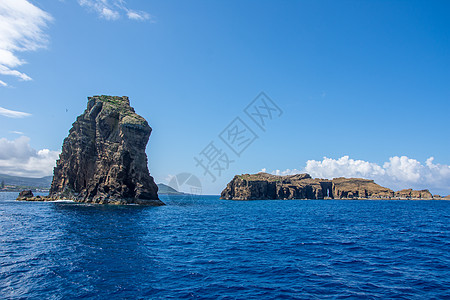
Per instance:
{"type": "Point", "coordinates": [103, 159]}
{"type": "Point", "coordinates": [350, 188]}
{"type": "Point", "coordinates": [412, 194]}
{"type": "Point", "coordinates": [267, 186]}
{"type": "Point", "coordinates": [302, 186]}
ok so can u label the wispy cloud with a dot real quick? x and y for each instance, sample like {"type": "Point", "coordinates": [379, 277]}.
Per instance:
{"type": "Point", "coordinates": [12, 113]}
{"type": "Point", "coordinates": [398, 173]}
{"type": "Point", "coordinates": [137, 15]}
{"type": "Point", "coordinates": [16, 132]}
{"type": "Point", "coordinates": [22, 27]}
{"type": "Point", "coordinates": [114, 9]}
{"type": "Point", "coordinates": [18, 158]}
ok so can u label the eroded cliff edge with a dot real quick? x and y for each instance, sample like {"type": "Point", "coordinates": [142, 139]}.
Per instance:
{"type": "Point", "coordinates": [303, 186]}
{"type": "Point", "coordinates": [103, 159]}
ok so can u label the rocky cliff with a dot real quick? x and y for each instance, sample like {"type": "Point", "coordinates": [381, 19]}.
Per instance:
{"type": "Point", "coordinates": [103, 159]}
{"type": "Point", "coordinates": [412, 194]}
{"type": "Point", "coordinates": [350, 188]}
{"type": "Point", "coordinates": [302, 186]}
{"type": "Point", "coordinates": [267, 186]}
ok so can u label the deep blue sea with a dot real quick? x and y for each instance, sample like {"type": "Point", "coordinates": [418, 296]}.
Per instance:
{"type": "Point", "coordinates": [206, 248]}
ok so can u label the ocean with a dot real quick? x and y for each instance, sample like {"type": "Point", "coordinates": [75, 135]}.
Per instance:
{"type": "Point", "coordinates": [206, 248]}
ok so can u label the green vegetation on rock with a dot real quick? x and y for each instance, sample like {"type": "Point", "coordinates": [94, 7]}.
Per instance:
{"type": "Point", "coordinates": [122, 106]}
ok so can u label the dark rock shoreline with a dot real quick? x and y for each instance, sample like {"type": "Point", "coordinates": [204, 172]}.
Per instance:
{"type": "Point", "coordinates": [263, 186]}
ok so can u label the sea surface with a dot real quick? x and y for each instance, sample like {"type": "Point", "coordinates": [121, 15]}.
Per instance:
{"type": "Point", "coordinates": [206, 248]}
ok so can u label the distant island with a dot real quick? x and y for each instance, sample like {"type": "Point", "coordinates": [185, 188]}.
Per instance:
{"type": "Point", "coordinates": [164, 189]}
{"type": "Point", "coordinates": [9, 183]}
{"type": "Point", "coordinates": [264, 186]}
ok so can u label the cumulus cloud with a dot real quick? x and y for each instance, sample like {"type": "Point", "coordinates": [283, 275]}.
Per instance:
{"type": "Point", "coordinates": [18, 158]}
{"type": "Point", "coordinates": [22, 27]}
{"type": "Point", "coordinates": [113, 9]}
{"type": "Point", "coordinates": [343, 167]}
{"type": "Point", "coordinates": [12, 113]}
{"type": "Point", "coordinates": [398, 173]}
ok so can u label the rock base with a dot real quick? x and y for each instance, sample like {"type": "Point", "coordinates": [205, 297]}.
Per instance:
{"type": "Point", "coordinates": [149, 202]}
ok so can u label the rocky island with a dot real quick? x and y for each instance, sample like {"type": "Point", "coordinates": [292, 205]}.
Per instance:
{"type": "Point", "coordinates": [103, 159]}
{"type": "Point", "coordinates": [264, 186]}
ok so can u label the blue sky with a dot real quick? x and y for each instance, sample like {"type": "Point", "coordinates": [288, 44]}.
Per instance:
{"type": "Point", "coordinates": [363, 79]}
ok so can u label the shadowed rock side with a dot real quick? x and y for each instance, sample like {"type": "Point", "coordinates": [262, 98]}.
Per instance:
{"type": "Point", "coordinates": [302, 186]}
{"type": "Point", "coordinates": [103, 159]}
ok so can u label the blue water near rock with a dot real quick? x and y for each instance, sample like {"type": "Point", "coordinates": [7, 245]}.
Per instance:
{"type": "Point", "coordinates": [210, 248]}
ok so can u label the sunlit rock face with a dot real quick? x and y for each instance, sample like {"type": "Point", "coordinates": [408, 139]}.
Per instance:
{"type": "Point", "coordinates": [267, 186]}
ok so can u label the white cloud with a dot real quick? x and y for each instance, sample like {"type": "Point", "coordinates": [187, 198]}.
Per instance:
{"type": "Point", "coordinates": [12, 113]}
{"type": "Point", "coordinates": [398, 173]}
{"type": "Point", "coordinates": [137, 15]}
{"type": "Point", "coordinates": [109, 14]}
{"type": "Point", "coordinates": [168, 178]}
{"type": "Point", "coordinates": [113, 9]}
{"type": "Point", "coordinates": [283, 173]}
{"type": "Point", "coordinates": [404, 169]}
{"type": "Point", "coordinates": [21, 29]}
{"type": "Point", "coordinates": [343, 167]}
{"type": "Point", "coordinates": [18, 158]}
{"type": "Point", "coordinates": [7, 71]}
{"type": "Point", "coordinates": [16, 132]}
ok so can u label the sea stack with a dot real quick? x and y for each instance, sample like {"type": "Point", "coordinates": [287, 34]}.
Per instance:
{"type": "Point", "coordinates": [103, 159]}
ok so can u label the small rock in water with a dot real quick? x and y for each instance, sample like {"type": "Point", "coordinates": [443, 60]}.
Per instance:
{"type": "Point", "coordinates": [25, 194]}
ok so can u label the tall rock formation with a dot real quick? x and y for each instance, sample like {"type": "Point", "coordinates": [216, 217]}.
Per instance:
{"type": "Point", "coordinates": [302, 186]}
{"type": "Point", "coordinates": [103, 159]}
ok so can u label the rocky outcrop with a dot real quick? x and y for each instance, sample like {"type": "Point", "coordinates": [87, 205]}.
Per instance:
{"type": "Point", "coordinates": [413, 194]}
{"type": "Point", "coordinates": [103, 159]}
{"type": "Point", "coordinates": [23, 195]}
{"type": "Point", "coordinates": [267, 186]}
{"type": "Point", "coordinates": [27, 195]}
{"type": "Point", "coordinates": [35, 198]}
{"type": "Point", "coordinates": [355, 188]}
{"type": "Point", "coordinates": [303, 186]}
